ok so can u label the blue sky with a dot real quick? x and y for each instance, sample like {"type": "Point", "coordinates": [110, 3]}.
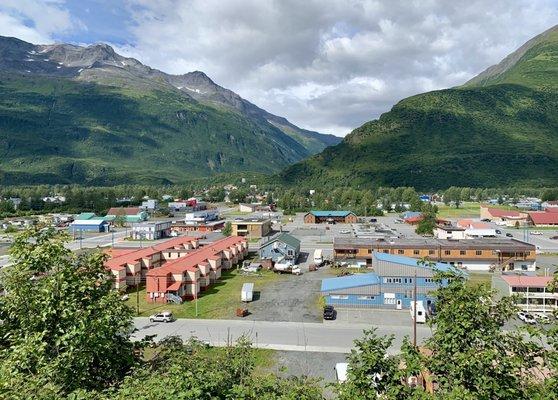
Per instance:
{"type": "Point", "coordinates": [326, 66]}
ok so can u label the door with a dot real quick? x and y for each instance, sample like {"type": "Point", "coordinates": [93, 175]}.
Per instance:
{"type": "Point", "coordinates": [399, 304]}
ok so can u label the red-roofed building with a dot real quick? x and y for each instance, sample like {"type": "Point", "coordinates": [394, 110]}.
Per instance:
{"type": "Point", "coordinates": [186, 276]}
{"type": "Point", "coordinates": [509, 217]}
{"type": "Point", "coordinates": [532, 291]}
{"type": "Point", "coordinates": [543, 218]}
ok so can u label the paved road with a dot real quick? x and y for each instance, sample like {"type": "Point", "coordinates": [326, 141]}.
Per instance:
{"type": "Point", "coordinates": [291, 336]}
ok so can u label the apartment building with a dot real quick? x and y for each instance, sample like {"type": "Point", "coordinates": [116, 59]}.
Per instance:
{"type": "Point", "coordinates": [532, 291]}
{"type": "Point", "coordinates": [484, 254]}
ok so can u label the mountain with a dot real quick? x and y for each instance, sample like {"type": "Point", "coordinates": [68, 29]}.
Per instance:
{"type": "Point", "coordinates": [73, 114]}
{"type": "Point", "coordinates": [500, 128]}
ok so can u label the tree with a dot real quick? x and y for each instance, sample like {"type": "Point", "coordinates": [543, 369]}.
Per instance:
{"type": "Point", "coordinates": [227, 229]}
{"type": "Point", "coordinates": [62, 322]}
{"type": "Point", "coordinates": [426, 226]}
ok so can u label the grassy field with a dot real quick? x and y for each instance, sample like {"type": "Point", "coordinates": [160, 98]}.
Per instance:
{"type": "Point", "coordinates": [467, 209]}
{"type": "Point", "coordinates": [479, 278]}
{"type": "Point", "coordinates": [219, 301]}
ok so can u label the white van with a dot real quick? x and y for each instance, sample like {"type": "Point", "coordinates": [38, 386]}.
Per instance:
{"type": "Point", "coordinates": [421, 312]}
{"type": "Point", "coordinates": [318, 257]}
{"type": "Point", "coordinates": [341, 372]}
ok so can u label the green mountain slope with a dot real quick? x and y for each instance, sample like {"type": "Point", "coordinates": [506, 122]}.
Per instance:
{"type": "Point", "coordinates": [499, 130]}
{"type": "Point", "coordinates": [70, 114]}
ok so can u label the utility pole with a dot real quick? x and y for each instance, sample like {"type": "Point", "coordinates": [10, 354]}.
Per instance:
{"type": "Point", "coordinates": [137, 295]}
{"type": "Point", "coordinates": [196, 296]}
{"type": "Point", "coordinates": [415, 311]}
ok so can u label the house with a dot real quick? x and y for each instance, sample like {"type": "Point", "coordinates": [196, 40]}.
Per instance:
{"type": "Point", "coordinates": [254, 228]}
{"type": "Point", "coordinates": [533, 291]}
{"type": "Point", "coordinates": [255, 207]}
{"type": "Point", "coordinates": [92, 225]}
{"type": "Point", "coordinates": [506, 217]}
{"type": "Point", "coordinates": [149, 204]}
{"type": "Point", "coordinates": [192, 273]}
{"type": "Point", "coordinates": [192, 204]}
{"type": "Point", "coordinates": [151, 230]}
{"type": "Point", "coordinates": [543, 218]}
{"type": "Point", "coordinates": [550, 205]}
{"type": "Point", "coordinates": [480, 254]}
{"type": "Point", "coordinates": [342, 217]}
{"type": "Point", "coordinates": [281, 246]}
{"type": "Point", "coordinates": [130, 214]}
{"type": "Point", "coordinates": [202, 216]}
{"type": "Point", "coordinates": [390, 286]}
{"type": "Point", "coordinates": [449, 232]}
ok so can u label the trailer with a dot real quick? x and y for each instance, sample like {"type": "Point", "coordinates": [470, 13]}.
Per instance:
{"type": "Point", "coordinates": [247, 292]}
{"type": "Point", "coordinates": [286, 267]}
{"type": "Point", "coordinates": [421, 312]}
{"type": "Point", "coordinates": [318, 257]}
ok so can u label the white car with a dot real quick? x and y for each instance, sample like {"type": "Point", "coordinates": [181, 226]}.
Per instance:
{"type": "Point", "coordinates": [165, 316]}
{"type": "Point", "coordinates": [536, 233]}
{"type": "Point", "coordinates": [344, 231]}
{"type": "Point", "coordinates": [527, 318]}
{"type": "Point", "coordinates": [542, 318]}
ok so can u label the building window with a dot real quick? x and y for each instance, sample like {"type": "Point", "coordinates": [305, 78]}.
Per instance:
{"type": "Point", "coordinates": [447, 252]}
{"type": "Point", "coordinates": [386, 251]}
{"type": "Point", "coordinates": [369, 251]}
{"type": "Point", "coordinates": [365, 297]}
{"type": "Point", "coordinates": [400, 251]}
{"type": "Point", "coordinates": [339, 297]}
{"type": "Point", "coordinates": [389, 300]}
{"type": "Point", "coordinates": [431, 252]}
{"type": "Point", "coordinates": [462, 252]}
{"type": "Point", "coordinates": [478, 252]}
{"type": "Point", "coordinates": [416, 252]}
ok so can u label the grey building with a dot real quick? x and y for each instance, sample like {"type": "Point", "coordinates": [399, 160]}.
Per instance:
{"type": "Point", "coordinates": [282, 245]}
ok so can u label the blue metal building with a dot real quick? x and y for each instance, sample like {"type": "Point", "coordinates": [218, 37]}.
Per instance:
{"type": "Point", "coordinates": [281, 246]}
{"type": "Point", "coordinates": [390, 286]}
{"type": "Point", "coordinates": [90, 225]}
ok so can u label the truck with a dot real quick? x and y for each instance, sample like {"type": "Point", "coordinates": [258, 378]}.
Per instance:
{"type": "Point", "coordinates": [421, 312]}
{"type": "Point", "coordinates": [318, 257]}
{"type": "Point", "coordinates": [247, 292]}
{"type": "Point", "coordinates": [286, 267]}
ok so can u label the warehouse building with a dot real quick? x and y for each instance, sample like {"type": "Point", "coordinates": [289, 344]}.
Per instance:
{"type": "Point", "coordinates": [151, 230]}
{"type": "Point", "coordinates": [91, 225]}
{"type": "Point", "coordinates": [391, 286]}
{"type": "Point", "coordinates": [484, 254]}
{"type": "Point", "coordinates": [330, 217]}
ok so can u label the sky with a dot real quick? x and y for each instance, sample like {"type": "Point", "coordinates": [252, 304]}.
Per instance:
{"type": "Point", "coordinates": [326, 65]}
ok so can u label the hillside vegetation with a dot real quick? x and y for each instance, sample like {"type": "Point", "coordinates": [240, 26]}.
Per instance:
{"type": "Point", "coordinates": [495, 131]}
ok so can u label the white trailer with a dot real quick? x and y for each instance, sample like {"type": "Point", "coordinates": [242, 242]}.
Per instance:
{"type": "Point", "coordinates": [421, 312]}
{"type": "Point", "coordinates": [318, 257]}
{"type": "Point", "coordinates": [247, 292]}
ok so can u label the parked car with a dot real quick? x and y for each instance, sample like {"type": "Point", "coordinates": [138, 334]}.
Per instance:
{"type": "Point", "coordinates": [344, 231]}
{"type": "Point", "coordinates": [373, 220]}
{"type": "Point", "coordinates": [329, 313]}
{"type": "Point", "coordinates": [498, 232]}
{"type": "Point", "coordinates": [554, 237]}
{"type": "Point", "coordinates": [536, 233]}
{"type": "Point", "coordinates": [509, 234]}
{"type": "Point", "coordinates": [165, 316]}
{"type": "Point", "coordinates": [485, 220]}
{"type": "Point", "coordinates": [527, 318]}
{"type": "Point", "coordinates": [542, 318]}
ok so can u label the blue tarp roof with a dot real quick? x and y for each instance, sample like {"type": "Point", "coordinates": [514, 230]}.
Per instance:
{"type": "Point", "coordinates": [350, 281]}
{"type": "Point", "coordinates": [413, 262]}
{"type": "Point", "coordinates": [330, 213]}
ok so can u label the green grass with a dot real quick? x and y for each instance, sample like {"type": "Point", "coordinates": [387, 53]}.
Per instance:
{"type": "Point", "coordinates": [219, 301]}
{"type": "Point", "coordinates": [479, 278]}
{"type": "Point", "coordinates": [466, 209]}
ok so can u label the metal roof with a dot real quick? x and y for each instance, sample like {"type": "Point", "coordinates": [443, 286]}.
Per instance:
{"type": "Point", "coordinates": [502, 244]}
{"type": "Point", "coordinates": [345, 282]}
{"type": "Point", "coordinates": [285, 238]}
{"type": "Point", "coordinates": [330, 213]}
{"type": "Point", "coordinates": [412, 262]}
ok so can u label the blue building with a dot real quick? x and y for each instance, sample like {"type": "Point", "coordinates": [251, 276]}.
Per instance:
{"type": "Point", "coordinates": [391, 284]}
{"type": "Point", "coordinates": [89, 225]}
{"type": "Point", "coordinates": [281, 246]}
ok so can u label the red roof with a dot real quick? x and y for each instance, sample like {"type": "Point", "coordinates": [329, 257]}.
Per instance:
{"type": "Point", "coordinates": [175, 286]}
{"type": "Point", "coordinates": [544, 218]}
{"type": "Point", "coordinates": [469, 223]}
{"type": "Point", "coordinates": [527, 281]}
{"type": "Point", "coordinates": [124, 211]}
{"type": "Point", "coordinates": [551, 209]}
{"type": "Point", "coordinates": [498, 212]}
{"type": "Point", "coordinates": [133, 256]}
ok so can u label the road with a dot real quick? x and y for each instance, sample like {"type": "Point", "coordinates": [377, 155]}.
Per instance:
{"type": "Point", "coordinates": [327, 337]}
{"type": "Point", "coordinates": [86, 243]}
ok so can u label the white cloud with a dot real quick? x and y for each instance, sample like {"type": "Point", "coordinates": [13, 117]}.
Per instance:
{"type": "Point", "coordinates": [35, 21]}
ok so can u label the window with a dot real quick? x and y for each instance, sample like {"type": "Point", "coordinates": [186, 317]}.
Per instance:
{"type": "Point", "coordinates": [431, 251]}
{"type": "Point", "coordinates": [339, 297]}
{"type": "Point", "coordinates": [290, 252]}
{"type": "Point", "coordinates": [416, 252]}
{"type": "Point", "coordinates": [400, 251]}
{"type": "Point", "coordinates": [389, 300]}
{"type": "Point", "coordinates": [386, 251]}
{"type": "Point", "coordinates": [462, 252]}
{"type": "Point", "coordinates": [428, 280]}
{"type": "Point", "coordinates": [478, 252]}
{"type": "Point", "coordinates": [447, 252]}
{"type": "Point", "coordinates": [365, 297]}
{"type": "Point", "coordinates": [369, 251]}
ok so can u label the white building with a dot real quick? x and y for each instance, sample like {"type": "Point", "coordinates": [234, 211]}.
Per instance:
{"type": "Point", "coordinates": [533, 292]}
{"type": "Point", "coordinates": [151, 230]}
{"type": "Point", "coordinates": [150, 204]}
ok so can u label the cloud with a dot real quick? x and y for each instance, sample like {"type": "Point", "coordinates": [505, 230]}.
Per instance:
{"type": "Point", "coordinates": [35, 21]}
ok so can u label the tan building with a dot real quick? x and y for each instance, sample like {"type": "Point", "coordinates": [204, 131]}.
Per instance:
{"type": "Point", "coordinates": [331, 217]}
{"type": "Point", "coordinates": [253, 228]}
{"type": "Point", "coordinates": [509, 217]}
{"type": "Point", "coordinates": [472, 254]}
